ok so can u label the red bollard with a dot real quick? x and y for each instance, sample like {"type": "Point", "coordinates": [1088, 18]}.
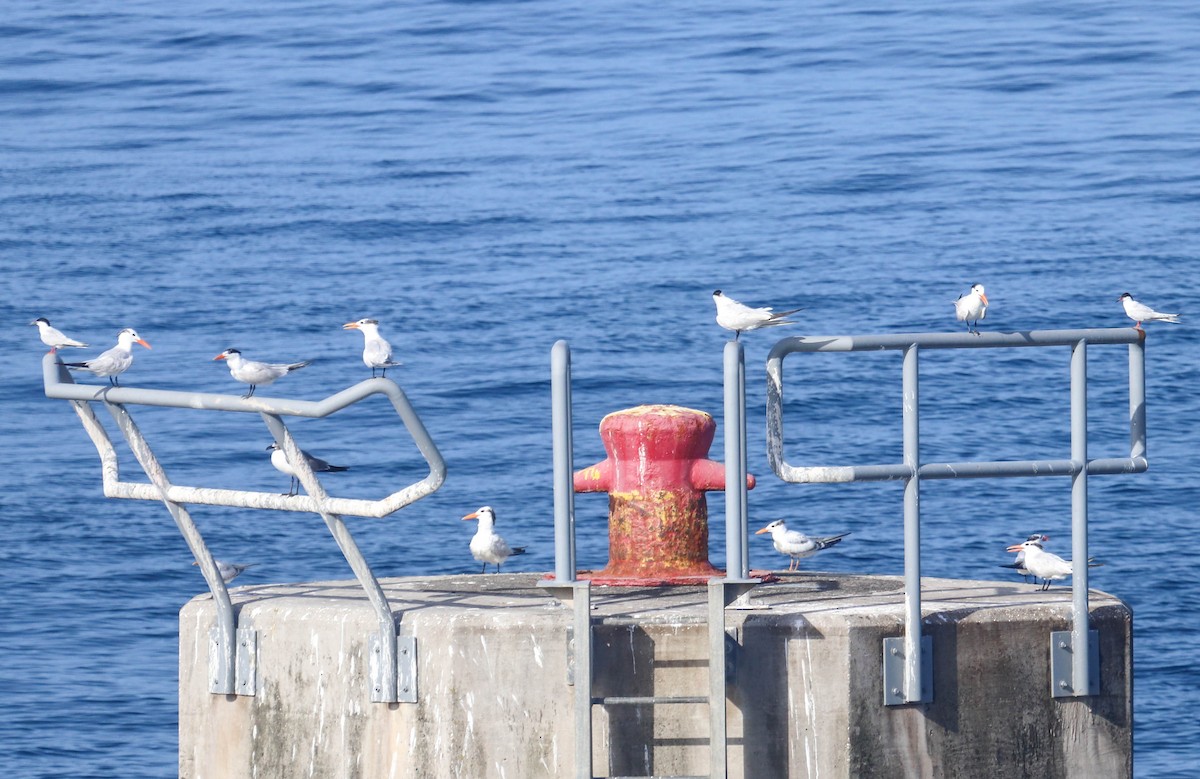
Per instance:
{"type": "Point", "coordinates": [656, 475]}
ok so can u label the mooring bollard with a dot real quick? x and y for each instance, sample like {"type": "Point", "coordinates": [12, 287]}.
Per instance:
{"type": "Point", "coordinates": [656, 474]}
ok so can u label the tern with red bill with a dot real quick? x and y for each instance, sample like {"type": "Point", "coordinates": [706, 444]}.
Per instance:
{"type": "Point", "coordinates": [377, 352]}
{"type": "Point", "coordinates": [53, 337]}
{"type": "Point", "coordinates": [1140, 312]}
{"type": "Point", "coordinates": [971, 308]}
{"type": "Point", "coordinates": [487, 546]}
{"type": "Point", "coordinates": [255, 373]}
{"type": "Point", "coordinates": [116, 360]}
{"type": "Point", "coordinates": [795, 544]}
{"type": "Point", "coordinates": [739, 317]}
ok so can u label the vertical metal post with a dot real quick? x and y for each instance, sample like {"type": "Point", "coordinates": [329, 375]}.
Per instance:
{"type": "Point", "coordinates": [564, 488]}
{"type": "Point", "coordinates": [718, 752]}
{"type": "Point", "coordinates": [581, 603]}
{"type": "Point", "coordinates": [737, 554]}
{"type": "Point", "coordinates": [1137, 400]}
{"type": "Point", "coordinates": [912, 527]}
{"type": "Point", "coordinates": [1080, 652]}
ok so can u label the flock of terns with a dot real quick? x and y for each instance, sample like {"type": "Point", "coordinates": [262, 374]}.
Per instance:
{"type": "Point", "coordinates": [110, 364]}
{"type": "Point", "coordinates": [487, 546]}
{"type": "Point", "coordinates": [970, 308]}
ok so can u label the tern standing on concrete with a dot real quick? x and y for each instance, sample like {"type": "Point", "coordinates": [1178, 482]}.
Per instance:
{"type": "Point", "coordinates": [1018, 563]}
{"type": "Point", "coordinates": [487, 546]}
{"type": "Point", "coordinates": [795, 544]}
{"type": "Point", "coordinates": [1047, 566]}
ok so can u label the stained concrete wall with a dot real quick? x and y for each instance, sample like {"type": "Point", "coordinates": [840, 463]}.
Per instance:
{"type": "Point", "coordinates": [806, 696]}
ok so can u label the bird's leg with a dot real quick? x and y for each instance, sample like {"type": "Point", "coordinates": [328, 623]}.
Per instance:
{"type": "Point", "coordinates": [484, 568]}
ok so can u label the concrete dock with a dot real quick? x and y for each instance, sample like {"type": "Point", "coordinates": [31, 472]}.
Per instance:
{"type": "Point", "coordinates": [805, 683]}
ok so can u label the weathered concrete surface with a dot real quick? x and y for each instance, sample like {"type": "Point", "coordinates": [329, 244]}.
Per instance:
{"type": "Point", "coordinates": [805, 699]}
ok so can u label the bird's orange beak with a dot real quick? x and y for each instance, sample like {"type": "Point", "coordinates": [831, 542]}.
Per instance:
{"type": "Point", "coordinates": [1015, 548]}
{"type": "Point", "coordinates": [142, 341]}
{"type": "Point", "coordinates": [983, 298]}
{"type": "Point", "coordinates": [219, 357]}
{"type": "Point", "coordinates": [472, 515]}
{"type": "Point", "coordinates": [350, 326]}
{"type": "Point", "coordinates": [760, 532]}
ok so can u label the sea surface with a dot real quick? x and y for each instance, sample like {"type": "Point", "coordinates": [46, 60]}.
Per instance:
{"type": "Point", "coordinates": [486, 178]}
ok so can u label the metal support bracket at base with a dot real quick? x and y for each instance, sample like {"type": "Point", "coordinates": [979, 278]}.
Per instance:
{"type": "Point", "coordinates": [406, 670]}
{"type": "Point", "coordinates": [893, 671]}
{"type": "Point", "coordinates": [245, 678]}
{"type": "Point", "coordinates": [1061, 662]}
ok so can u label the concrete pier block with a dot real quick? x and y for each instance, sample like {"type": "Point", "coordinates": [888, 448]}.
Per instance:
{"type": "Point", "coordinates": [805, 694]}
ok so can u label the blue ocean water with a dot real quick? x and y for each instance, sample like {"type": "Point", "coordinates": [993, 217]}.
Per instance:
{"type": "Point", "coordinates": [488, 177]}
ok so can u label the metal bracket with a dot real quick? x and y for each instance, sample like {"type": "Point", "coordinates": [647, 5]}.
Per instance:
{"type": "Point", "coordinates": [570, 657]}
{"type": "Point", "coordinates": [893, 671]}
{"type": "Point", "coordinates": [1061, 677]}
{"type": "Point", "coordinates": [245, 663]}
{"type": "Point", "coordinates": [406, 670]}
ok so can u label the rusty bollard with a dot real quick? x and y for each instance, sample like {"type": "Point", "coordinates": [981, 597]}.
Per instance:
{"type": "Point", "coordinates": [656, 474]}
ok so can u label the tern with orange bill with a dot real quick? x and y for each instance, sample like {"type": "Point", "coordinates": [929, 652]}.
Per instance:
{"type": "Point", "coordinates": [971, 308]}
{"type": "Point", "coordinates": [1046, 566]}
{"type": "Point", "coordinates": [487, 546]}
{"type": "Point", "coordinates": [256, 373]}
{"type": "Point", "coordinates": [377, 352]}
{"type": "Point", "coordinates": [1019, 562]}
{"type": "Point", "coordinates": [795, 544]}
{"type": "Point", "coordinates": [115, 361]}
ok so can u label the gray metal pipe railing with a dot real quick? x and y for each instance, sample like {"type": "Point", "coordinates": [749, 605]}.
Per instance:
{"type": "Point", "coordinates": [912, 471]}
{"type": "Point", "coordinates": [564, 468]}
{"type": "Point", "coordinates": [58, 384]}
{"type": "Point", "coordinates": [384, 671]}
{"type": "Point", "coordinates": [912, 524]}
{"type": "Point", "coordinates": [737, 552]}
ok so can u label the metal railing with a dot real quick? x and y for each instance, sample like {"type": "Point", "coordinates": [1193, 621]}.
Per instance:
{"type": "Point", "coordinates": [576, 593]}
{"type": "Point", "coordinates": [233, 660]}
{"type": "Point", "coordinates": [907, 663]}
